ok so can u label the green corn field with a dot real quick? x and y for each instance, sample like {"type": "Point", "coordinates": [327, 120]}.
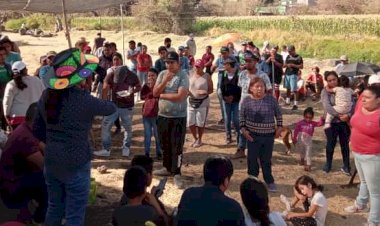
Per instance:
{"type": "Point", "coordinates": [322, 25]}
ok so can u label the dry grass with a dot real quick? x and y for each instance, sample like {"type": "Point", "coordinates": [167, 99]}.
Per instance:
{"type": "Point", "coordinates": [285, 168]}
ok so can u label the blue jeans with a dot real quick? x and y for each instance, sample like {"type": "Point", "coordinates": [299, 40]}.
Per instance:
{"type": "Point", "coordinates": [150, 128]}
{"type": "Point", "coordinates": [261, 149]}
{"type": "Point", "coordinates": [231, 113]}
{"type": "Point", "coordinates": [68, 197]}
{"type": "Point", "coordinates": [341, 130]}
{"type": "Point", "coordinates": [126, 115]}
{"type": "Point", "coordinates": [368, 167]}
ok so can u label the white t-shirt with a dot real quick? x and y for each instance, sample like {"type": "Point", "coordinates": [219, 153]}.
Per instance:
{"type": "Point", "coordinates": [320, 201]}
{"type": "Point", "coordinates": [275, 219]}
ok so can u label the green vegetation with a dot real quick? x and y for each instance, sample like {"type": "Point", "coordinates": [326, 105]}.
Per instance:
{"type": "Point", "coordinates": [37, 20]}
{"type": "Point", "coordinates": [321, 37]}
{"type": "Point", "coordinates": [321, 25]}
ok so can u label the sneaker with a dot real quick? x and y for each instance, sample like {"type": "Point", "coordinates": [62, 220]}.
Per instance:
{"type": "Point", "coordinates": [125, 152]}
{"type": "Point", "coordinates": [272, 187]}
{"type": "Point", "coordinates": [178, 181]}
{"type": "Point", "coordinates": [294, 107]}
{"type": "Point", "coordinates": [102, 153]}
{"type": "Point", "coordinates": [197, 144]}
{"type": "Point", "coordinates": [162, 172]}
{"type": "Point", "coordinates": [285, 200]}
{"type": "Point", "coordinates": [238, 154]}
{"type": "Point", "coordinates": [345, 171]}
{"type": "Point", "coordinates": [356, 208]}
{"type": "Point", "coordinates": [326, 169]}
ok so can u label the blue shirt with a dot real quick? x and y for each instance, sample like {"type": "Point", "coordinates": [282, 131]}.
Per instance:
{"type": "Point", "coordinates": [12, 57]}
{"type": "Point", "coordinates": [184, 62]}
{"type": "Point", "coordinates": [67, 147]}
{"type": "Point", "coordinates": [43, 71]}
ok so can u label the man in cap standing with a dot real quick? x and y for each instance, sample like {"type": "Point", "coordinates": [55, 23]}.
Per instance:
{"type": "Point", "coordinates": [293, 64]}
{"type": "Point", "coordinates": [343, 61]}
{"type": "Point", "coordinates": [245, 78]}
{"type": "Point", "coordinates": [172, 88]}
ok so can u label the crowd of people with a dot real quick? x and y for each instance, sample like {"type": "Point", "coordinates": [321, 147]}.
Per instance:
{"type": "Point", "coordinates": [49, 117]}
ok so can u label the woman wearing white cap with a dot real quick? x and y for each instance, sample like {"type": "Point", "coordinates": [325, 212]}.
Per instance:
{"type": "Point", "coordinates": [20, 93]}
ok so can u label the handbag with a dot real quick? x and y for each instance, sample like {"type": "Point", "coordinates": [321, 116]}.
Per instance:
{"type": "Point", "coordinates": [195, 103]}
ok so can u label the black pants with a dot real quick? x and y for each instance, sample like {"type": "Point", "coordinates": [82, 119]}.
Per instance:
{"type": "Point", "coordinates": [30, 187]}
{"type": "Point", "coordinates": [341, 130]}
{"type": "Point", "coordinates": [171, 133]}
{"type": "Point", "coordinates": [304, 221]}
{"type": "Point", "coordinates": [261, 149]}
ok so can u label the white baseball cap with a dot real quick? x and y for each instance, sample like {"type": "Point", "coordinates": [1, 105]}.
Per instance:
{"type": "Point", "coordinates": [18, 66]}
{"type": "Point", "coordinates": [373, 79]}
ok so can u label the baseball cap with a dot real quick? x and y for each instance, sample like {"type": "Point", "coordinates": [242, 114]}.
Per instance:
{"type": "Point", "coordinates": [224, 49]}
{"type": "Point", "coordinates": [51, 53]}
{"type": "Point", "coordinates": [181, 48]}
{"type": "Point", "coordinates": [374, 79]}
{"type": "Point", "coordinates": [251, 56]}
{"type": "Point", "coordinates": [291, 48]}
{"type": "Point", "coordinates": [18, 66]}
{"type": "Point", "coordinates": [199, 63]}
{"type": "Point", "coordinates": [244, 43]}
{"type": "Point", "coordinates": [172, 56]}
{"type": "Point", "coordinates": [343, 57]}
{"type": "Point", "coordinates": [229, 60]}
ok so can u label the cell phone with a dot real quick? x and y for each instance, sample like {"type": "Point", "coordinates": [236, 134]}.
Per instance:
{"type": "Point", "coordinates": [161, 187]}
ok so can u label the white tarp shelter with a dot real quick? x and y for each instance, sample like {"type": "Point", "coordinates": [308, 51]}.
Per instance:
{"type": "Point", "coordinates": [59, 6]}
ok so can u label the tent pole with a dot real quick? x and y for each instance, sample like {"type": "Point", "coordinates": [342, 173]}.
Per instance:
{"type": "Point", "coordinates": [122, 30]}
{"type": "Point", "coordinates": [67, 32]}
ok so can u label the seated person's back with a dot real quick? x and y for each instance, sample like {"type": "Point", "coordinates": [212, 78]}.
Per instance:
{"type": "Point", "coordinates": [208, 205]}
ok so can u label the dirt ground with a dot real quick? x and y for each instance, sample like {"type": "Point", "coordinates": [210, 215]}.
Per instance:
{"type": "Point", "coordinates": [285, 168]}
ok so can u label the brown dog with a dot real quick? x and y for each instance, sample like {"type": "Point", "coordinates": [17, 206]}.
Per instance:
{"type": "Point", "coordinates": [286, 131]}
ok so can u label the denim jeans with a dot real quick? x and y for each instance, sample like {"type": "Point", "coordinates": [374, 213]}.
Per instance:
{"type": "Point", "coordinates": [126, 115]}
{"type": "Point", "coordinates": [231, 113]}
{"type": "Point", "coordinates": [143, 77]}
{"type": "Point", "coordinates": [150, 128]}
{"type": "Point", "coordinates": [261, 149]}
{"type": "Point", "coordinates": [368, 167]}
{"type": "Point", "coordinates": [341, 130]}
{"type": "Point", "coordinates": [68, 197]}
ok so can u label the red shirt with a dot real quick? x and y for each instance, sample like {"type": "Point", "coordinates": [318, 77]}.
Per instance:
{"type": "Point", "coordinates": [315, 79]}
{"type": "Point", "coordinates": [144, 62]}
{"type": "Point", "coordinates": [365, 132]}
{"type": "Point", "coordinates": [207, 57]}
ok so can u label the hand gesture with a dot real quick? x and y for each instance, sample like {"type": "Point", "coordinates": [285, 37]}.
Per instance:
{"type": "Point", "coordinates": [168, 76]}
{"type": "Point", "coordinates": [247, 136]}
{"type": "Point", "coordinates": [278, 132]}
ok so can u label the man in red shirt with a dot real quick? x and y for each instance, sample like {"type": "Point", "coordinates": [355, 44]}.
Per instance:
{"type": "Point", "coordinates": [207, 59]}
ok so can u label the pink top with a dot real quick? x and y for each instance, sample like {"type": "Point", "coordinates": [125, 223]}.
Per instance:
{"type": "Point", "coordinates": [365, 131]}
{"type": "Point", "coordinates": [306, 127]}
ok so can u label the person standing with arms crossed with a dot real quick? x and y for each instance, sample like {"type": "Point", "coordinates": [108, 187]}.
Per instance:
{"type": "Point", "coordinates": [172, 87]}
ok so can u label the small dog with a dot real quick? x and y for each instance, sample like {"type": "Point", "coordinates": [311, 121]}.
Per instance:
{"type": "Point", "coordinates": [286, 131]}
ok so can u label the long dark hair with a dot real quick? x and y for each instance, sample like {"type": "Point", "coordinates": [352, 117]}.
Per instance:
{"type": "Point", "coordinates": [306, 180]}
{"type": "Point", "coordinates": [255, 199]}
{"type": "Point", "coordinates": [53, 104]}
{"type": "Point", "coordinates": [17, 77]}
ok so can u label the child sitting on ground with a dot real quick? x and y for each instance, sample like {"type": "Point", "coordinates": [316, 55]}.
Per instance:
{"type": "Point", "coordinates": [134, 213]}
{"type": "Point", "coordinates": [316, 213]}
{"type": "Point", "coordinates": [150, 113]}
{"type": "Point", "coordinates": [302, 137]}
{"type": "Point", "coordinates": [343, 99]}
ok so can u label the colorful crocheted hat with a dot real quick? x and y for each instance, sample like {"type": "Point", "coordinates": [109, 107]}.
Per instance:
{"type": "Point", "coordinates": [70, 67]}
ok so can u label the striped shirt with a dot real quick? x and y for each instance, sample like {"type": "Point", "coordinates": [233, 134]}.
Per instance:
{"type": "Point", "coordinates": [260, 116]}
